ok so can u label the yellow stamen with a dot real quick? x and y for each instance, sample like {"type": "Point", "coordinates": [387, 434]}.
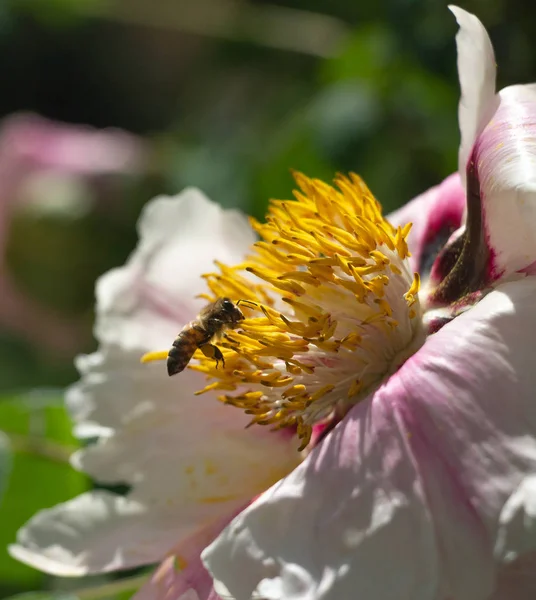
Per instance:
{"type": "Point", "coordinates": [151, 356]}
{"type": "Point", "coordinates": [355, 388]}
{"type": "Point", "coordinates": [323, 316]}
{"type": "Point", "coordinates": [411, 294]}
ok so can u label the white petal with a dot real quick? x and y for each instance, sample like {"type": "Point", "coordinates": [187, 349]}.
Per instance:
{"type": "Point", "coordinates": [477, 73]}
{"type": "Point", "coordinates": [190, 460]}
{"type": "Point", "coordinates": [506, 157]}
{"type": "Point", "coordinates": [95, 532]}
{"type": "Point", "coordinates": [517, 522]}
{"type": "Point", "coordinates": [100, 532]}
{"type": "Point", "coordinates": [336, 527]}
{"type": "Point", "coordinates": [408, 497]}
{"type": "Point", "coordinates": [160, 427]}
{"type": "Point", "coordinates": [145, 303]}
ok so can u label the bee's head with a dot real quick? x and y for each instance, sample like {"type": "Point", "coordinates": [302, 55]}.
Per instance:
{"type": "Point", "coordinates": [232, 313]}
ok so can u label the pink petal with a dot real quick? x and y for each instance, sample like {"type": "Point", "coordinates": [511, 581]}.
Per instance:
{"type": "Point", "coordinates": [30, 144]}
{"type": "Point", "coordinates": [505, 156]}
{"type": "Point", "coordinates": [405, 499]}
{"type": "Point", "coordinates": [182, 575]}
{"type": "Point", "coordinates": [39, 143]}
{"type": "Point", "coordinates": [170, 583]}
{"type": "Point", "coordinates": [435, 214]}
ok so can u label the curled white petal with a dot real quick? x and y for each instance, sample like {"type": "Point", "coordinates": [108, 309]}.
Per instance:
{"type": "Point", "coordinates": [477, 74]}
{"type": "Point", "coordinates": [97, 531]}
{"type": "Point", "coordinates": [146, 302]}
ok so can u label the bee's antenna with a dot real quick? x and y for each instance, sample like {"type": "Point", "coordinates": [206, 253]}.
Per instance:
{"type": "Point", "coordinates": [245, 302]}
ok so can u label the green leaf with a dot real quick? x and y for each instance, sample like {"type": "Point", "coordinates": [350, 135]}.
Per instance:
{"type": "Point", "coordinates": [39, 430]}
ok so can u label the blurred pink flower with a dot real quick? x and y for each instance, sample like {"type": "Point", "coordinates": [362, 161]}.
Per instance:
{"type": "Point", "coordinates": [43, 162]}
{"type": "Point", "coordinates": [33, 142]}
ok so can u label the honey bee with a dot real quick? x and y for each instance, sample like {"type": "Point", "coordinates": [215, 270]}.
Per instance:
{"type": "Point", "coordinates": [207, 327]}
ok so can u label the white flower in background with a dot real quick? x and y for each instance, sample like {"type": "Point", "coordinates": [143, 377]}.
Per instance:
{"type": "Point", "coordinates": [425, 489]}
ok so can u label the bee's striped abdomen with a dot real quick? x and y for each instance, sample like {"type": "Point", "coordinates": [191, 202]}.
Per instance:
{"type": "Point", "coordinates": [184, 347]}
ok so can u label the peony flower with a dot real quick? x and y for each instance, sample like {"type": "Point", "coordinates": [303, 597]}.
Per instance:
{"type": "Point", "coordinates": [427, 488]}
{"type": "Point", "coordinates": [413, 411]}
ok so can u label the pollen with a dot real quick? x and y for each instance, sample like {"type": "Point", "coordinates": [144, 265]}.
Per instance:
{"type": "Point", "coordinates": [330, 306]}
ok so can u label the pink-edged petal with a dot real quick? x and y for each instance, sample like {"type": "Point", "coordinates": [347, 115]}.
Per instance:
{"type": "Point", "coordinates": [408, 497]}
{"type": "Point", "coordinates": [169, 582]}
{"type": "Point", "coordinates": [182, 575]}
{"type": "Point", "coordinates": [477, 74]}
{"type": "Point", "coordinates": [329, 532]}
{"type": "Point", "coordinates": [435, 214]}
{"type": "Point", "coordinates": [505, 159]}
{"type": "Point", "coordinates": [146, 302]}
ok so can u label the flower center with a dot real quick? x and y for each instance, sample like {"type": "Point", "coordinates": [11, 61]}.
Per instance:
{"type": "Point", "coordinates": [331, 308]}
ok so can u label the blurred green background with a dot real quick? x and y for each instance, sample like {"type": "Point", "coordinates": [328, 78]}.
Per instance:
{"type": "Point", "coordinates": [227, 95]}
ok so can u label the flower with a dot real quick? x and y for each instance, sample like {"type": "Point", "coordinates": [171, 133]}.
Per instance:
{"type": "Point", "coordinates": [334, 309]}
{"type": "Point", "coordinates": [427, 488]}
{"type": "Point", "coordinates": [419, 452]}
{"type": "Point", "coordinates": [170, 581]}
{"type": "Point", "coordinates": [44, 168]}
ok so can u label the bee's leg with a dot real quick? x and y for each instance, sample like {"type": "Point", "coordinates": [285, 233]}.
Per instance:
{"type": "Point", "coordinates": [211, 351]}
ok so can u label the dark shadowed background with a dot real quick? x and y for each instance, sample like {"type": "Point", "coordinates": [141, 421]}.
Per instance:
{"type": "Point", "coordinates": [107, 103]}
